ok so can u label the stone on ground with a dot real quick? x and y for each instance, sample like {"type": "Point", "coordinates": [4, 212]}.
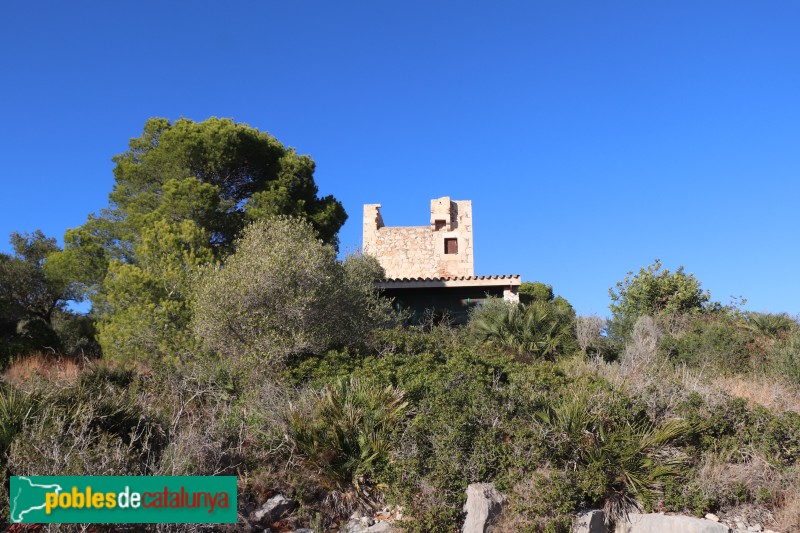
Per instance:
{"type": "Point", "coordinates": [483, 506]}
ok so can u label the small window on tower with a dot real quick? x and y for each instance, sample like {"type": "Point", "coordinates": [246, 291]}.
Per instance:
{"type": "Point", "coordinates": [451, 246]}
{"type": "Point", "coordinates": [440, 224]}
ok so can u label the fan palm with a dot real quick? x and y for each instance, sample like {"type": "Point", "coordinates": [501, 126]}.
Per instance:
{"type": "Point", "coordinates": [634, 457]}
{"type": "Point", "coordinates": [770, 324]}
{"type": "Point", "coordinates": [540, 329]}
{"type": "Point", "coordinates": [345, 428]}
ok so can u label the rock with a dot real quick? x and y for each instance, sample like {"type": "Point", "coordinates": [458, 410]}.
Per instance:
{"type": "Point", "coordinates": [304, 530]}
{"type": "Point", "coordinates": [756, 528]}
{"type": "Point", "coordinates": [357, 526]}
{"type": "Point", "coordinates": [590, 522]}
{"type": "Point", "coordinates": [659, 523]}
{"type": "Point", "coordinates": [353, 526]}
{"type": "Point", "coordinates": [483, 506]}
{"type": "Point", "coordinates": [274, 508]}
{"type": "Point", "coordinates": [380, 527]}
{"type": "Point", "coordinates": [712, 517]}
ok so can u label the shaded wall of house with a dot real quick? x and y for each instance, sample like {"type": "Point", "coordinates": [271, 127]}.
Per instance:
{"type": "Point", "coordinates": [455, 301]}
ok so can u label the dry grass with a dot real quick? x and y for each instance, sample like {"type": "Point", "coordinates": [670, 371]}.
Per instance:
{"type": "Point", "coordinates": [644, 372]}
{"type": "Point", "coordinates": [755, 473]}
{"type": "Point", "coordinates": [724, 480]}
{"type": "Point", "coordinates": [46, 365]}
{"type": "Point", "coordinates": [769, 391]}
{"type": "Point", "coordinates": [787, 516]}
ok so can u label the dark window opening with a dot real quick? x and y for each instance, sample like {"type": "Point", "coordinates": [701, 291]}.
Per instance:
{"type": "Point", "coordinates": [439, 224]}
{"type": "Point", "coordinates": [451, 246]}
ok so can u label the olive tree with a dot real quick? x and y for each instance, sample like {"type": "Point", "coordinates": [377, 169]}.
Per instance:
{"type": "Point", "coordinates": [283, 292]}
{"type": "Point", "coordinates": [588, 330]}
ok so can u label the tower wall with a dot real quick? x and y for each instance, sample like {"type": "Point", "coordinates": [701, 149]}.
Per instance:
{"type": "Point", "coordinates": [444, 248]}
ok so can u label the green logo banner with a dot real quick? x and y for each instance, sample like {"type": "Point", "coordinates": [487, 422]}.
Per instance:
{"type": "Point", "coordinates": [122, 499]}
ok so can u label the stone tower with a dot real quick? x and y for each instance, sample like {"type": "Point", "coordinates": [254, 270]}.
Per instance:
{"type": "Point", "coordinates": [442, 249]}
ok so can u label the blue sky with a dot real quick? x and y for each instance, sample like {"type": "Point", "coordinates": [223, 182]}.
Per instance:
{"type": "Point", "coordinates": [592, 137]}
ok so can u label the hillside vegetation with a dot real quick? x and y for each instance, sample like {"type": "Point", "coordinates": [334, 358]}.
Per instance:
{"type": "Point", "coordinates": [226, 338]}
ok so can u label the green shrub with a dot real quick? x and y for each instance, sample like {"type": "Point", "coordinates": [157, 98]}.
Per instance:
{"type": "Point", "coordinates": [682, 495]}
{"type": "Point", "coordinates": [612, 440]}
{"type": "Point", "coordinates": [98, 424]}
{"type": "Point", "coordinates": [771, 324]}
{"type": "Point", "coordinates": [77, 334]}
{"type": "Point", "coordinates": [345, 430]}
{"type": "Point", "coordinates": [718, 342]}
{"type": "Point", "coordinates": [542, 501]}
{"type": "Point", "coordinates": [653, 291]}
{"type": "Point", "coordinates": [16, 408]}
{"type": "Point", "coordinates": [783, 359]}
{"type": "Point", "coordinates": [539, 329]}
{"type": "Point", "coordinates": [283, 294]}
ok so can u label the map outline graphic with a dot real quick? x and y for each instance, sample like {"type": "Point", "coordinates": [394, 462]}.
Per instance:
{"type": "Point", "coordinates": [20, 514]}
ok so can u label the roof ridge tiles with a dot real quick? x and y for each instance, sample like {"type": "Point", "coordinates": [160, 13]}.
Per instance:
{"type": "Point", "coordinates": [456, 278]}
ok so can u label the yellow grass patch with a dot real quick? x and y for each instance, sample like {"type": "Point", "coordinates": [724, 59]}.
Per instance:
{"type": "Point", "coordinates": [42, 364]}
{"type": "Point", "coordinates": [773, 393]}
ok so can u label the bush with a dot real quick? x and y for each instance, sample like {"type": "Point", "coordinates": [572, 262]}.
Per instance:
{"type": "Point", "coordinates": [465, 401]}
{"type": "Point", "coordinates": [783, 359]}
{"type": "Point", "coordinates": [653, 291]}
{"type": "Point", "coordinates": [718, 342]}
{"type": "Point", "coordinates": [16, 408]}
{"type": "Point", "coordinates": [771, 324]}
{"type": "Point", "coordinates": [588, 331]}
{"type": "Point", "coordinates": [539, 329]}
{"type": "Point", "coordinates": [625, 456]}
{"type": "Point", "coordinates": [535, 291]}
{"type": "Point", "coordinates": [542, 501]}
{"type": "Point", "coordinates": [96, 425]}
{"type": "Point", "coordinates": [344, 432]}
{"type": "Point", "coordinates": [77, 334]}
{"type": "Point", "coordinates": [282, 293]}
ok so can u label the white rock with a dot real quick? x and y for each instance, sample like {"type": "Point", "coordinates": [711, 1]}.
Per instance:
{"type": "Point", "coordinates": [274, 508]}
{"type": "Point", "coordinates": [353, 526]}
{"type": "Point", "coordinates": [380, 527]}
{"type": "Point", "coordinates": [483, 506]}
{"type": "Point", "coordinates": [712, 517]}
{"type": "Point", "coordinates": [660, 523]}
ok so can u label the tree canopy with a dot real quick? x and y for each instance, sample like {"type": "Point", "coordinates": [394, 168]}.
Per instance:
{"type": "Point", "coordinates": [32, 291]}
{"type": "Point", "coordinates": [653, 291]}
{"type": "Point", "coordinates": [182, 194]}
{"type": "Point", "coordinates": [218, 174]}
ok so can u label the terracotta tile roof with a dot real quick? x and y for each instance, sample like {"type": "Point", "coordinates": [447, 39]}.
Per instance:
{"type": "Point", "coordinates": [450, 281]}
{"type": "Point", "coordinates": [457, 278]}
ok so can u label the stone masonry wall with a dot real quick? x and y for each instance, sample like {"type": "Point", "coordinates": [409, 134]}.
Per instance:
{"type": "Point", "coordinates": [420, 251]}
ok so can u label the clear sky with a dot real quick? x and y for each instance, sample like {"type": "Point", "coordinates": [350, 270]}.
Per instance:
{"type": "Point", "coordinates": [592, 137]}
